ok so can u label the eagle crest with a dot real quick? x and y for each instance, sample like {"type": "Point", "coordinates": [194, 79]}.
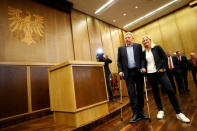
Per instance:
{"type": "Point", "coordinates": [26, 26]}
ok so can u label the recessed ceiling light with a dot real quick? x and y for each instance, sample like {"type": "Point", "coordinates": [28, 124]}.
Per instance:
{"type": "Point", "coordinates": [114, 21]}
{"type": "Point", "coordinates": [149, 14]}
{"type": "Point", "coordinates": [124, 14]}
{"type": "Point", "coordinates": [136, 7]}
{"type": "Point", "coordinates": [105, 6]}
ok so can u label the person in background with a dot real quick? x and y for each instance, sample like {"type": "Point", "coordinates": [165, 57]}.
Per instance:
{"type": "Point", "coordinates": [154, 64]}
{"type": "Point", "coordinates": [182, 63]}
{"type": "Point", "coordinates": [178, 75]}
{"type": "Point", "coordinates": [101, 57]}
{"type": "Point", "coordinates": [129, 65]}
{"type": "Point", "coordinates": [193, 66]}
{"type": "Point", "coordinates": [170, 69]}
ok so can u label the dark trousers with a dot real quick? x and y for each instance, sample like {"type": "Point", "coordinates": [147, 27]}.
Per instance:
{"type": "Point", "coordinates": [194, 72]}
{"type": "Point", "coordinates": [170, 74]}
{"type": "Point", "coordinates": [109, 88]}
{"type": "Point", "coordinates": [153, 79]}
{"type": "Point", "coordinates": [179, 81]}
{"type": "Point", "coordinates": [185, 81]}
{"type": "Point", "coordinates": [136, 95]}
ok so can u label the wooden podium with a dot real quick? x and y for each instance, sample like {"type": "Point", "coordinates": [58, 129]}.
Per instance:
{"type": "Point", "coordinates": [78, 93]}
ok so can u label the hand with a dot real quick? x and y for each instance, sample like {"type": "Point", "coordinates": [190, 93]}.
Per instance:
{"type": "Point", "coordinates": [121, 74]}
{"type": "Point", "coordinates": [105, 56]}
{"type": "Point", "coordinates": [161, 70]}
{"type": "Point", "coordinates": [143, 70]}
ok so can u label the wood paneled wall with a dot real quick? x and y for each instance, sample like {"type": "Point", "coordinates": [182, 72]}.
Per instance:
{"type": "Point", "coordinates": [115, 43]}
{"type": "Point", "coordinates": [23, 90]}
{"type": "Point", "coordinates": [80, 36]}
{"type": "Point", "coordinates": [176, 31]}
{"type": "Point", "coordinates": [89, 34]}
{"type": "Point", "coordinates": [13, 90]}
{"type": "Point", "coordinates": [74, 36]}
{"type": "Point", "coordinates": [107, 44]}
{"type": "Point", "coordinates": [94, 36]}
{"type": "Point", "coordinates": [54, 46]}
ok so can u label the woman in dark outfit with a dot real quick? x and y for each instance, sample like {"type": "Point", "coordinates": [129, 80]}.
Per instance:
{"type": "Point", "coordinates": [154, 63]}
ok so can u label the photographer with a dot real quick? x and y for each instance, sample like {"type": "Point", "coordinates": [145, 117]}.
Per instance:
{"type": "Point", "coordinates": [101, 57]}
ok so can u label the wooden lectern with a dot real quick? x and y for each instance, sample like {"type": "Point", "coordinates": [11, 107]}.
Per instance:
{"type": "Point", "coordinates": [78, 93]}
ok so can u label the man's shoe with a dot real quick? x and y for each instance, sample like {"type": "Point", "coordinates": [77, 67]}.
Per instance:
{"type": "Point", "coordinates": [160, 115]}
{"type": "Point", "coordinates": [187, 90]}
{"type": "Point", "coordinates": [135, 118]}
{"type": "Point", "coordinates": [181, 92]}
{"type": "Point", "coordinates": [143, 116]}
{"type": "Point", "coordinates": [182, 117]}
{"type": "Point", "coordinates": [112, 100]}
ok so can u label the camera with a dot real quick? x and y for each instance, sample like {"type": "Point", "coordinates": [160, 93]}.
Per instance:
{"type": "Point", "coordinates": [99, 56]}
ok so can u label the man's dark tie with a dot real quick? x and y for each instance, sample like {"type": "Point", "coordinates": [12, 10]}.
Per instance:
{"type": "Point", "coordinates": [170, 63]}
{"type": "Point", "coordinates": [179, 59]}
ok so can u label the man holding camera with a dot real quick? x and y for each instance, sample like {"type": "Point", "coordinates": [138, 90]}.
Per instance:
{"type": "Point", "coordinates": [101, 57]}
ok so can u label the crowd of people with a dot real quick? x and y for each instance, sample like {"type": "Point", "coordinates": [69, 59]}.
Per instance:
{"type": "Point", "coordinates": [136, 61]}
{"type": "Point", "coordinates": [150, 60]}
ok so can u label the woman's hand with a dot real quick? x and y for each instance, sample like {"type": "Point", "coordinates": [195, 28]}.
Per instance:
{"type": "Point", "coordinates": [143, 70]}
{"type": "Point", "coordinates": [121, 74]}
{"type": "Point", "coordinates": [161, 70]}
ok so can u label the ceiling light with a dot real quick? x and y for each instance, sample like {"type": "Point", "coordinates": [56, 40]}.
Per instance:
{"type": "Point", "coordinates": [149, 14]}
{"type": "Point", "coordinates": [136, 7]}
{"type": "Point", "coordinates": [124, 14]}
{"type": "Point", "coordinates": [114, 21]}
{"type": "Point", "coordinates": [105, 6]}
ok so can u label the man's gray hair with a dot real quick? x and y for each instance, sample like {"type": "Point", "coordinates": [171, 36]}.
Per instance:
{"type": "Point", "coordinates": [129, 33]}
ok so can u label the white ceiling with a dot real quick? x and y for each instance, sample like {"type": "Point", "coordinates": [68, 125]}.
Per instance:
{"type": "Point", "coordinates": [127, 6]}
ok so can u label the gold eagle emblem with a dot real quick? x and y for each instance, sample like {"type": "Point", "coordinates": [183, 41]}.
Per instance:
{"type": "Point", "coordinates": [25, 26]}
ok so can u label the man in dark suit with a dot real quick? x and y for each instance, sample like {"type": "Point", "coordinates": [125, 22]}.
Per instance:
{"type": "Point", "coordinates": [193, 66]}
{"type": "Point", "coordinates": [129, 65]}
{"type": "Point", "coordinates": [170, 69]}
{"type": "Point", "coordinates": [182, 64]}
{"type": "Point", "coordinates": [101, 57]}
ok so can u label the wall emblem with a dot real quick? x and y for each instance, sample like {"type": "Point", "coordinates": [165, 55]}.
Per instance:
{"type": "Point", "coordinates": [25, 26]}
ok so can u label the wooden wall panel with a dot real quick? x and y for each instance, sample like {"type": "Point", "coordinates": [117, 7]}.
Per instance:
{"type": "Point", "coordinates": [80, 36]}
{"type": "Point", "coordinates": [187, 24]}
{"type": "Point", "coordinates": [153, 31]}
{"type": "Point", "coordinates": [64, 41]}
{"type": "Point", "coordinates": [121, 36]}
{"type": "Point", "coordinates": [13, 90]}
{"type": "Point", "coordinates": [115, 42]}
{"type": "Point", "coordinates": [39, 87]}
{"type": "Point", "coordinates": [107, 45]}
{"type": "Point", "coordinates": [176, 31]}
{"type": "Point", "coordinates": [170, 34]}
{"type": "Point", "coordinates": [94, 36]}
{"type": "Point", "coordinates": [54, 46]}
{"type": "Point", "coordinates": [138, 34]}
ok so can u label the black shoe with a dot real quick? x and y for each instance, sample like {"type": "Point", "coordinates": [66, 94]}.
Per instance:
{"type": "Point", "coordinates": [135, 118]}
{"type": "Point", "coordinates": [143, 116]}
{"type": "Point", "coordinates": [112, 100]}
{"type": "Point", "coordinates": [187, 90]}
{"type": "Point", "coordinates": [181, 92]}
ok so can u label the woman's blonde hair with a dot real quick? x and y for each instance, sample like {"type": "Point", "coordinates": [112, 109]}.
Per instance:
{"type": "Point", "coordinates": [151, 42]}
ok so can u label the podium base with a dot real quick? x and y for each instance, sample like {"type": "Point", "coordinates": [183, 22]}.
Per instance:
{"type": "Point", "coordinates": [82, 117]}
